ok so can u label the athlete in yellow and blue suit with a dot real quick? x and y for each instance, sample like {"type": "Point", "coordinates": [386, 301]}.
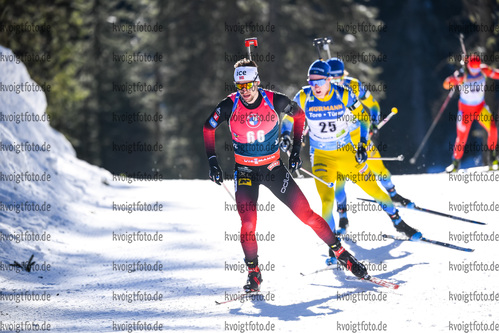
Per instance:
{"type": "Point", "coordinates": [330, 109]}
{"type": "Point", "coordinates": [377, 166]}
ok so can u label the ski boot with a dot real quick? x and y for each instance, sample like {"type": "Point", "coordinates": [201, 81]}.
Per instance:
{"type": "Point", "coordinates": [254, 276]}
{"type": "Point", "coordinates": [404, 228]}
{"type": "Point", "coordinates": [343, 221]}
{"type": "Point", "coordinates": [398, 199]}
{"type": "Point", "coordinates": [348, 261]}
{"type": "Point", "coordinates": [332, 259]}
{"type": "Point", "coordinates": [454, 167]}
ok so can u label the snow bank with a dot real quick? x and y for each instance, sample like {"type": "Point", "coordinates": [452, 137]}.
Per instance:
{"type": "Point", "coordinates": [39, 171]}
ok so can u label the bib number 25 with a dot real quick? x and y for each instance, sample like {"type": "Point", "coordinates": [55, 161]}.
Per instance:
{"type": "Point", "coordinates": [330, 126]}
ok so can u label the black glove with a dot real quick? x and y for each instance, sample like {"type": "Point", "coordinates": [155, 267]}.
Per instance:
{"type": "Point", "coordinates": [361, 154]}
{"type": "Point", "coordinates": [215, 174]}
{"type": "Point", "coordinates": [285, 142]}
{"type": "Point", "coordinates": [294, 161]}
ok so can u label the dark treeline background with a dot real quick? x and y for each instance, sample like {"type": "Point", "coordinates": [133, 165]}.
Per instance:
{"type": "Point", "coordinates": [199, 42]}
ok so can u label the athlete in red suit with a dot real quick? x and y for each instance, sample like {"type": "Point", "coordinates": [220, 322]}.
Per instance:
{"type": "Point", "coordinates": [253, 116]}
{"type": "Point", "coordinates": [472, 107]}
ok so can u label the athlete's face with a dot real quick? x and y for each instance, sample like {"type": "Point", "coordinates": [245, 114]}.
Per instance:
{"type": "Point", "coordinates": [320, 85]}
{"type": "Point", "coordinates": [474, 71]}
{"type": "Point", "coordinates": [249, 94]}
{"type": "Point", "coordinates": [337, 79]}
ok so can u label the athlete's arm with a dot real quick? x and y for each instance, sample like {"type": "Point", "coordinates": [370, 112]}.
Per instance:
{"type": "Point", "coordinates": [287, 121]}
{"type": "Point", "coordinates": [355, 106]}
{"type": "Point", "coordinates": [283, 104]}
{"type": "Point", "coordinates": [287, 125]}
{"type": "Point", "coordinates": [372, 104]}
{"type": "Point", "coordinates": [220, 114]}
{"type": "Point", "coordinates": [490, 72]}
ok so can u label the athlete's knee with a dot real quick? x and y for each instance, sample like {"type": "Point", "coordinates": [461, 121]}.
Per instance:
{"type": "Point", "coordinates": [313, 220]}
{"type": "Point", "coordinates": [328, 195]}
{"type": "Point", "coordinates": [303, 211]}
{"type": "Point", "coordinates": [248, 225]}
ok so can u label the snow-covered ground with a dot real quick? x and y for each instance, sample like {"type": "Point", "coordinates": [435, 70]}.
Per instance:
{"type": "Point", "coordinates": [100, 281]}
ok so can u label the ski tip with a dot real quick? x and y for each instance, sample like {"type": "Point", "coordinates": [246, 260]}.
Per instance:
{"type": "Point", "coordinates": [385, 236]}
{"type": "Point", "coordinates": [380, 282]}
{"type": "Point", "coordinates": [368, 200]}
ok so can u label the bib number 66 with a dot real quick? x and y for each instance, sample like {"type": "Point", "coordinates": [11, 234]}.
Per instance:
{"type": "Point", "coordinates": [260, 136]}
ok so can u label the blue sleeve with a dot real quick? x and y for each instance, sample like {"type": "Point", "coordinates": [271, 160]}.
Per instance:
{"type": "Point", "coordinates": [287, 125]}
{"type": "Point", "coordinates": [360, 112]}
{"type": "Point", "coordinates": [362, 91]}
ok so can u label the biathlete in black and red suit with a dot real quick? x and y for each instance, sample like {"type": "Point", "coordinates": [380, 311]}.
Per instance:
{"type": "Point", "coordinates": [253, 116]}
